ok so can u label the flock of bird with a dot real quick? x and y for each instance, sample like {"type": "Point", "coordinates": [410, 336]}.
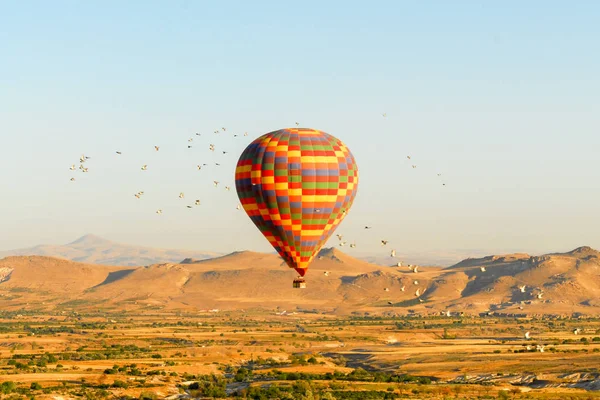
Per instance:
{"type": "Point", "coordinates": [144, 167]}
{"type": "Point", "coordinates": [212, 147]}
{"type": "Point", "coordinates": [409, 158]}
{"type": "Point", "coordinates": [419, 292]}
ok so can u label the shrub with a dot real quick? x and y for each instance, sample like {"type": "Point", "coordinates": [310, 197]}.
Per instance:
{"type": "Point", "coordinates": [8, 387]}
{"type": "Point", "coordinates": [148, 396]}
{"type": "Point", "coordinates": [119, 384]}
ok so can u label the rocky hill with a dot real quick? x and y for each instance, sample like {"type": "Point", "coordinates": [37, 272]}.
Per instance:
{"type": "Point", "coordinates": [558, 283]}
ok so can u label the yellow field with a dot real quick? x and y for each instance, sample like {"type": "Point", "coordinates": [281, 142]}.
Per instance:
{"type": "Point", "coordinates": [258, 353]}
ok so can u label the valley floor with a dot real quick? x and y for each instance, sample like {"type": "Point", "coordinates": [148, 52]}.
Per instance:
{"type": "Point", "coordinates": [259, 354]}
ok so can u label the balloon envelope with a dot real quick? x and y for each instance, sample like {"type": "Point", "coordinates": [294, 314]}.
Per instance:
{"type": "Point", "coordinates": [296, 185]}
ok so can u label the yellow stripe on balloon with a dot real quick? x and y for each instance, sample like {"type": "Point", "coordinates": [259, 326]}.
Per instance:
{"type": "Point", "coordinates": [319, 159]}
{"type": "Point", "coordinates": [319, 198]}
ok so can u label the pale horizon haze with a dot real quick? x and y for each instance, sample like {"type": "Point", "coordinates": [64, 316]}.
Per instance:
{"type": "Point", "coordinates": [501, 98]}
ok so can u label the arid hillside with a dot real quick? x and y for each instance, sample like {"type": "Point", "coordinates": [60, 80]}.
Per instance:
{"type": "Point", "coordinates": [563, 283]}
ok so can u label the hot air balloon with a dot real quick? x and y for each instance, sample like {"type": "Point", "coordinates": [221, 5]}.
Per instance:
{"type": "Point", "coordinates": [296, 185]}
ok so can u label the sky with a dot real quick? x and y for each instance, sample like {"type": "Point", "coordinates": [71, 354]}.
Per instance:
{"type": "Point", "coordinates": [501, 98]}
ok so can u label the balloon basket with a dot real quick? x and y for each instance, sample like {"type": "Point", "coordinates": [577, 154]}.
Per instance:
{"type": "Point", "coordinates": [299, 284]}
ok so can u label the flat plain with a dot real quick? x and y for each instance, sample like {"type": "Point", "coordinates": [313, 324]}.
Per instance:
{"type": "Point", "coordinates": [274, 354]}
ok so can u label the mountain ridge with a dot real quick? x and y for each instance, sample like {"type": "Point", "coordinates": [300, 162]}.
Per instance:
{"type": "Point", "coordinates": [514, 284]}
{"type": "Point", "coordinates": [94, 249]}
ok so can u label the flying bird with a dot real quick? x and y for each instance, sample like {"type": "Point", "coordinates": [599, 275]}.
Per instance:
{"type": "Point", "coordinates": [384, 115]}
{"type": "Point", "coordinates": [393, 253]}
{"type": "Point", "coordinates": [352, 245]}
{"type": "Point", "coordinates": [197, 202]}
{"type": "Point", "coordinates": [297, 123]}
{"type": "Point", "coordinates": [225, 152]}
{"type": "Point", "coordinates": [540, 348]}
{"type": "Point", "coordinates": [72, 168]}
{"type": "Point", "coordinates": [211, 147]}
{"type": "Point", "coordinates": [156, 148]}
{"type": "Point", "coordinates": [408, 157]}
{"type": "Point", "coordinates": [403, 288]}
{"type": "Point", "coordinates": [368, 227]}
{"type": "Point", "coordinates": [416, 269]}
{"type": "Point", "coordinates": [342, 243]}
{"type": "Point", "coordinates": [339, 236]}
{"type": "Point", "coordinates": [227, 188]}
{"type": "Point", "coordinates": [144, 167]}
{"type": "Point", "coordinates": [119, 153]}
{"type": "Point", "coordinates": [482, 269]}
{"type": "Point", "coordinates": [159, 211]}
{"type": "Point", "coordinates": [326, 273]}
{"type": "Point", "coordinates": [181, 195]}
{"type": "Point", "coordinates": [189, 206]}
{"type": "Point", "coordinates": [238, 207]}
{"type": "Point", "coordinates": [414, 166]}
{"type": "Point", "coordinates": [216, 183]}
{"type": "Point", "coordinates": [72, 179]}
{"type": "Point", "coordinates": [522, 288]}
{"type": "Point", "coordinates": [245, 133]}
{"type": "Point", "coordinates": [384, 242]}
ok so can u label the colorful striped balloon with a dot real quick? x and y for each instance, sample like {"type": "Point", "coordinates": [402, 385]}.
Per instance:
{"type": "Point", "coordinates": [296, 185]}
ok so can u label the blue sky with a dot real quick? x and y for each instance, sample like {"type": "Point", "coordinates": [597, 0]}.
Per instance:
{"type": "Point", "coordinates": [502, 98]}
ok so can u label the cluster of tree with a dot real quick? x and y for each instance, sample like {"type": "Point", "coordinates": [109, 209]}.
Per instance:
{"type": "Point", "coordinates": [357, 375]}
{"type": "Point", "coordinates": [130, 369]}
{"type": "Point", "coordinates": [27, 361]}
{"type": "Point", "coordinates": [209, 386]}
{"type": "Point", "coordinates": [303, 390]}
